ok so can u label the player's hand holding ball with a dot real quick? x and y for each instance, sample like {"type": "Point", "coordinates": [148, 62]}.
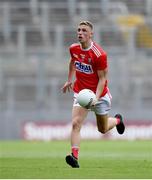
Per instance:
{"type": "Point", "coordinates": [86, 98]}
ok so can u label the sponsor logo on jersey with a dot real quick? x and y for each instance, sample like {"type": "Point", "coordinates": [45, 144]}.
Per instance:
{"type": "Point", "coordinates": [82, 56]}
{"type": "Point", "coordinates": [82, 67]}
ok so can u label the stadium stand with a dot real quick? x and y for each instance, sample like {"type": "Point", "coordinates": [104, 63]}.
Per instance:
{"type": "Point", "coordinates": [144, 36]}
{"type": "Point", "coordinates": [34, 40]}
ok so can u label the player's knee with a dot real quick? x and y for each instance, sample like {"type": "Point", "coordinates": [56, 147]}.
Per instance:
{"type": "Point", "coordinates": [102, 130]}
{"type": "Point", "coordinates": [76, 125]}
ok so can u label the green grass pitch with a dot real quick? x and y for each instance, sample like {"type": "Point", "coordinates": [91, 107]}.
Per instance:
{"type": "Point", "coordinates": [98, 160]}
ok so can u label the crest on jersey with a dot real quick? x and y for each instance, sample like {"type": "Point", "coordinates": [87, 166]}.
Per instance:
{"type": "Point", "coordinates": [82, 67]}
{"type": "Point", "coordinates": [89, 60]}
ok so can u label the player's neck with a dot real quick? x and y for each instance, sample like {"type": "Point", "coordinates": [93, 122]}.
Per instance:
{"type": "Point", "coordinates": [86, 45]}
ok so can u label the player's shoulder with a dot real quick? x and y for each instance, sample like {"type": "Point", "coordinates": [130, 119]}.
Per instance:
{"type": "Point", "coordinates": [98, 50]}
{"type": "Point", "coordinates": [74, 46]}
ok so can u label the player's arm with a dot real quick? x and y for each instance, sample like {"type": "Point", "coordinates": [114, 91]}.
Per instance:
{"type": "Point", "coordinates": [102, 74]}
{"type": "Point", "coordinates": [68, 83]}
{"type": "Point", "coordinates": [71, 71]}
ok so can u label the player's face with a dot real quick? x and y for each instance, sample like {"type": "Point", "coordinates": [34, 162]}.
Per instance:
{"type": "Point", "coordinates": [84, 33]}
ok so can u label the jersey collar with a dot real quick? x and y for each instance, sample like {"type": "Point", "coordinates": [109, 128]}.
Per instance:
{"type": "Point", "coordinates": [88, 47]}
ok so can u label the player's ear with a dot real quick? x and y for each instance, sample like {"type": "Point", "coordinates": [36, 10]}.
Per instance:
{"type": "Point", "coordinates": [91, 34]}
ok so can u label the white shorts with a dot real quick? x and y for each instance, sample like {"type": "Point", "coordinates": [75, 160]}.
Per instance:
{"type": "Point", "coordinates": [102, 107]}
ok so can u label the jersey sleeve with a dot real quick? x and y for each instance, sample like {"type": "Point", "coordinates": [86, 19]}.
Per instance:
{"type": "Point", "coordinates": [101, 62]}
{"type": "Point", "coordinates": [71, 54]}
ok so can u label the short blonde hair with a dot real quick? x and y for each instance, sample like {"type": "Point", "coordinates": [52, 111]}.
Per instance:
{"type": "Point", "coordinates": [87, 23]}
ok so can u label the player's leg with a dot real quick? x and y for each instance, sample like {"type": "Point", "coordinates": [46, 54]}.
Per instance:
{"type": "Point", "coordinates": [104, 122]}
{"type": "Point", "coordinates": [78, 116]}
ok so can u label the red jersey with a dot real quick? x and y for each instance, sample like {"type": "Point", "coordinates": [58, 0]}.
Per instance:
{"type": "Point", "coordinates": [87, 62]}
